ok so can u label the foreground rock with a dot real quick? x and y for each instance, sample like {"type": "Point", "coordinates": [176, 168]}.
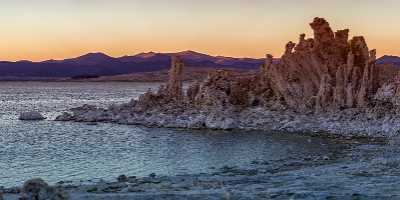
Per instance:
{"type": "Point", "coordinates": [334, 174]}
{"type": "Point", "coordinates": [228, 181]}
{"type": "Point", "coordinates": [323, 84]}
{"type": "Point", "coordinates": [31, 116]}
{"type": "Point", "coordinates": [37, 189]}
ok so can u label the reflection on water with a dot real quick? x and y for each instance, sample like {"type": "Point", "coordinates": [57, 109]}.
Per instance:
{"type": "Point", "coordinates": [77, 151]}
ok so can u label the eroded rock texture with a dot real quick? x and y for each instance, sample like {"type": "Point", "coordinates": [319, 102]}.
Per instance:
{"type": "Point", "coordinates": [323, 73]}
{"type": "Point", "coordinates": [174, 87]}
{"type": "Point", "coordinates": [325, 83]}
{"type": "Point", "coordinates": [37, 189]}
{"type": "Point", "coordinates": [326, 72]}
{"type": "Point", "coordinates": [171, 93]}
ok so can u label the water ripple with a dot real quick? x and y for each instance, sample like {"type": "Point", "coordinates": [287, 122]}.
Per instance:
{"type": "Point", "coordinates": [76, 151]}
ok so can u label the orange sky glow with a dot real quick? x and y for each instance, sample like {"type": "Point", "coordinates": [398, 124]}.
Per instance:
{"type": "Point", "coordinates": [48, 29]}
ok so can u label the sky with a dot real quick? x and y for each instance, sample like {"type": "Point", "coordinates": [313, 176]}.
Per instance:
{"type": "Point", "coordinates": [55, 29]}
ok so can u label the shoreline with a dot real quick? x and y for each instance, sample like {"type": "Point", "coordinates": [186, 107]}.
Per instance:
{"type": "Point", "coordinates": [213, 185]}
{"type": "Point", "coordinates": [252, 181]}
{"type": "Point", "coordinates": [347, 125]}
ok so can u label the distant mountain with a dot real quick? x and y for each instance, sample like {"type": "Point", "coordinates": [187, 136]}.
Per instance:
{"type": "Point", "coordinates": [194, 56]}
{"type": "Point", "coordinates": [394, 60]}
{"type": "Point", "coordinates": [90, 59]}
{"type": "Point", "coordinates": [100, 64]}
{"type": "Point", "coordinates": [146, 57]}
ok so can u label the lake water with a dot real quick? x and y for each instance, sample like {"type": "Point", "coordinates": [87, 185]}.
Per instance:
{"type": "Point", "coordinates": [67, 151]}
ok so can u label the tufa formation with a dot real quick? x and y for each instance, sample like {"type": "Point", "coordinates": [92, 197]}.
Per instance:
{"type": "Point", "coordinates": [323, 73]}
{"type": "Point", "coordinates": [327, 83]}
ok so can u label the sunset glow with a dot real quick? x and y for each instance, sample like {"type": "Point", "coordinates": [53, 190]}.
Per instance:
{"type": "Point", "coordinates": [46, 29]}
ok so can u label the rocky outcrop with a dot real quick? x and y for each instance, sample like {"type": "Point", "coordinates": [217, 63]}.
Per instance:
{"type": "Point", "coordinates": [326, 72]}
{"type": "Point", "coordinates": [37, 189]}
{"type": "Point", "coordinates": [175, 85]}
{"type": "Point", "coordinates": [31, 116]}
{"type": "Point", "coordinates": [172, 93]}
{"type": "Point", "coordinates": [389, 93]}
{"type": "Point", "coordinates": [321, 82]}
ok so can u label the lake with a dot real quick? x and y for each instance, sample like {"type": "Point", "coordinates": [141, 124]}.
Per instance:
{"type": "Point", "coordinates": [70, 151]}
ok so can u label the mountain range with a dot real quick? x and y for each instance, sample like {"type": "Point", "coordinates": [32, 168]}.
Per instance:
{"type": "Point", "coordinates": [100, 64]}
{"type": "Point", "coordinates": [394, 60]}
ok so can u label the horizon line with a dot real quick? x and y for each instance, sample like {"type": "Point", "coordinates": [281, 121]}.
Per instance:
{"type": "Point", "coordinates": [148, 52]}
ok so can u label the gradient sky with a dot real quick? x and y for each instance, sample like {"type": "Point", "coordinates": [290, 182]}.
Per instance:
{"type": "Point", "coordinates": [44, 29]}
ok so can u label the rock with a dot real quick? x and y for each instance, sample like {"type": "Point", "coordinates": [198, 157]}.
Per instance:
{"type": "Point", "coordinates": [152, 175]}
{"type": "Point", "coordinates": [328, 70]}
{"type": "Point", "coordinates": [289, 48]}
{"type": "Point", "coordinates": [13, 190]}
{"type": "Point", "coordinates": [37, 189]}
{"type": "Point", "coordinates": [192, 91]}
{"type": "Point", "coordinates": [171, 94]}
{"type": "Point", "coordinates": [92, 123]}
{"type": "Point", "coordinates": [92, 189]}
{"type": "Point", "coordinates": [220, 121]}
{"type": "Point", "coordinates": [88, 113]}
{"type": "Point", "coordinates": [114, 187]}
{"type": "Point", "coordinates": [31, 116]}
{"type": "Point", "coordinates": [387, 98]}
{"type": "Point", "coordinates": [196, 121]}
{"type": "Point", "coordinates": [123, 178]}
{"type": "Point", "coordinates": [64, 117]}
{"type": "Point", "coordinates": [323, 34]}
{"type": "Point", "coordinates": [174, 87]}
{"type": "Point", "coordinates": [213, 91]}
{"type": "Point", "coordinates": [328, 83]}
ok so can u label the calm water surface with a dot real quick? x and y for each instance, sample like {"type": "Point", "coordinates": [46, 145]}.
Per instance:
{"type": "Point", "coordinates": [76, 151]}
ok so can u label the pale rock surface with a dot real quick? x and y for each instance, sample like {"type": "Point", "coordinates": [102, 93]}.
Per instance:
{"type": "Point", "coordinates": [31, 116]}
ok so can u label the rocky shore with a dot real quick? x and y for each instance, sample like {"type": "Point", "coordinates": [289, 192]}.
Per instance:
{"type": "Point", "coordinates": [344, 169]}
{"type": "Point", "coordinates": [259, 180]}
{"type": "Point", "coordinates": [347, 123]}
{"type": "Point", "coordinates": [325, 84]}
{"type": "Point", "coordinates": [199, 186]}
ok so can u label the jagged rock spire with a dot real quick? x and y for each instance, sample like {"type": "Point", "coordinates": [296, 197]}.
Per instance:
{"type": "Point", "coordinates": [175, 83]}
{"type": "Point", "coordinates": [323, 34]}
{"type": "Point", "coordinates": [318, 74]}
{"type": "Point", "coordinates": [265, 68]}
{"type": "Point", "coordinates": [289, 48]}
{"type": "Point", "coordinates": [326, 71]}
